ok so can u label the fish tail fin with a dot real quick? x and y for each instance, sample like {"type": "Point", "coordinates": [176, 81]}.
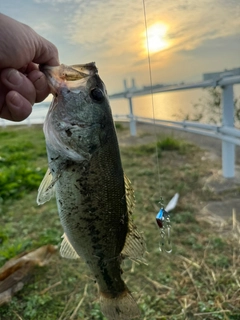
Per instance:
{"type": "Point", "coordinates": [122, 307]}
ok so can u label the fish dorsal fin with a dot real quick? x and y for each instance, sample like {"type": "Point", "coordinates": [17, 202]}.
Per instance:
{"type": "Point", "coordinates": [66, 250]}
{"type": "Point", "coordinates": [134, 247]}
{"type": "Point", "coordinates": [46, 188]}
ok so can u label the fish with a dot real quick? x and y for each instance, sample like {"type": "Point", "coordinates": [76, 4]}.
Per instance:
{"type": "Point", "coordinates": [95, 199]}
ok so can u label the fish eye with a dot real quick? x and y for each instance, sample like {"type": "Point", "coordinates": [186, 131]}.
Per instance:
{"type": "Point", "coordinates": [97, 94]}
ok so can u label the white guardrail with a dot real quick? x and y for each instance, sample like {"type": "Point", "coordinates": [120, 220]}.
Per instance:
{"type": "Point", "coordinates": [229, 135]}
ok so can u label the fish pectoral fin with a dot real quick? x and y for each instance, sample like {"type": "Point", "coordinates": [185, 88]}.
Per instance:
{"type": "Point", "coordinates": [46, 188]}
{"type": "Point", "coordinates": [66, 250]}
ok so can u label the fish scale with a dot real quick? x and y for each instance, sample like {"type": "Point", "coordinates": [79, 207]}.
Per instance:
{"type": "Point", "coordinates": [107, 226]}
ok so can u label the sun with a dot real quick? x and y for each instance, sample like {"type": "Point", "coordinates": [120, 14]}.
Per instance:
{"type": "Point", "coordinates": [156, 38]}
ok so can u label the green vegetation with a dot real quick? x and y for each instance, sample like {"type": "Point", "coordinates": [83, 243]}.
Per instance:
{"type": "Point", "coordinates": [119, 126]}
{"type": "Point", "coordinates": [198, 280]}
{"type": "Point", "coordinates": [164, 143]}
{"type": "Point", "coordinates": [19, 162]}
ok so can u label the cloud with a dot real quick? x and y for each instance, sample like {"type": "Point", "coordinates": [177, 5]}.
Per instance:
{"type": "Point", "coordinates": [55, 2]}
{"type": "Point", "coordinates": [112, 32]}
{"type": "Point", "coordinates": [117, 27]}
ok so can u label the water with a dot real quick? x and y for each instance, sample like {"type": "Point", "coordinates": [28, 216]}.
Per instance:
{"type": "Point", "coordinates": [175, 106]}
{"type": "Point", "coordinates": [167, 106]}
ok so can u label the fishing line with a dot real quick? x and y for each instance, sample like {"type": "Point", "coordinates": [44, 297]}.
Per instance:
{"type": "Point", "coordinates": [152, 100]}
{"type": "Point", "coordinates": [163, 217]}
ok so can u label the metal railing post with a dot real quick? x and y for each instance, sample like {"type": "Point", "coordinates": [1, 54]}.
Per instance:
{"type": "Point", "coordinates": [228, 148]}
{"type": "Point", "coordinates": [133, 130]}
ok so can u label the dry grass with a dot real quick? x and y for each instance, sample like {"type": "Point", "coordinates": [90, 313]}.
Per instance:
{"type": "Point", "coordinates": [200, 279]}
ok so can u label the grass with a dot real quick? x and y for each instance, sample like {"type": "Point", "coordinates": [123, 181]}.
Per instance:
{"type": "Point", "coordinates": [20, 162]}
{"type": "Point", "coordinates": [198, 280]}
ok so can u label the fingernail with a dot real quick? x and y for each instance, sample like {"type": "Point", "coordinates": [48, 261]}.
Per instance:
{"type": "Point", "coordinates": [14, 77]}
{"type": "Point", "coordinates": [16, 100]}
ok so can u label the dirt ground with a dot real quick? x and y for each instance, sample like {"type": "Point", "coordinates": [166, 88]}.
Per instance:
{"type": "Point", "coordinates": [212, 145]}
{"type": "Point", "coordinates": [216, 211]}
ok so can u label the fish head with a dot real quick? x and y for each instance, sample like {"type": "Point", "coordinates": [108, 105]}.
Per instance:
{"type": "Point", "coordinates": [79, 118]}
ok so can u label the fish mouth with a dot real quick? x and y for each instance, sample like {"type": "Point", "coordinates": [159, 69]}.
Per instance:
{"type": "Point", "coordinates": [73, 77]}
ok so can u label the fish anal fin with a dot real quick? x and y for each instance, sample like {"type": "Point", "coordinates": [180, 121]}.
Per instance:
{"type": "Point", "coordinates": [66, 250]}
{"type": "Point", "coordinates": [46, 188]}
{"type": "Point", "coordinates": [118, 308]}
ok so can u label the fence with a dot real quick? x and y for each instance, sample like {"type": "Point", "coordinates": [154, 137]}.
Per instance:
{"type": "Point", "coordinates": [229, 135]}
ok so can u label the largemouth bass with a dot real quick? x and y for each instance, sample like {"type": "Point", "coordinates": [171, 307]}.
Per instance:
{"type": "Point", "coordinates": [94, 198]}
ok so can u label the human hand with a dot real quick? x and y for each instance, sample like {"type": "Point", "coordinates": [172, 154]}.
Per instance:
{"type": "Point", "coordinates": [21, 82]}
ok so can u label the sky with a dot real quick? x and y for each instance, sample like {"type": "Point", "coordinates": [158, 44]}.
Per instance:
{"type": "Point", "coordinates": [186, 38]}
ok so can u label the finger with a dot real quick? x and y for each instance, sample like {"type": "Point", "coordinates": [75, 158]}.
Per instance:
{"type": "Point", "coordinates": [3, 92]}
{"type": "Point", "coordinates": [40, 83]}
{"type": "Point", "coordinates": [16, 81]}
{"type": "Point", "coordinates": [45, 52]}
{"type": "Point", "coordinates": [16, 107]}
{"type": "Point", "coordinates": [28, 68]}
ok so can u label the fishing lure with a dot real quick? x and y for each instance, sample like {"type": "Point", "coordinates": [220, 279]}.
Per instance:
{"type": "Point", "coordinates": [164, 224]}
{"type": "Point", "coordinates": [160, 217]}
